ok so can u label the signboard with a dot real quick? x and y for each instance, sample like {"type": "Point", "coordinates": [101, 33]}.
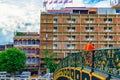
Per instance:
{"type": "Point", "coordinates": [117, 10]}
{"type": "Point", "coordinates": [59, 11]}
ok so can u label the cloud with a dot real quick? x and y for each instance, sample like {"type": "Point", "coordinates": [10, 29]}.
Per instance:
{"type": "Point", "coordinates": [18, 18]}
{"type": "Point", "coordinates": [81, 3]}
{"type": "Point", "coordinates": [24, 15]}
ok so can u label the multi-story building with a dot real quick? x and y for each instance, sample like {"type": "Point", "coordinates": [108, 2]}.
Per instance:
{"type": "Point", "coordinates": [67, 30]}
{"type": "Point", "coordinates": [29, 43]}
{"type": "Point", "coordinates": [3, 47]}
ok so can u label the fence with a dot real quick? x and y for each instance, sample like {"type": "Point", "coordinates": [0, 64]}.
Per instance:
{"type": "Point", "coordinates": [25, 79]}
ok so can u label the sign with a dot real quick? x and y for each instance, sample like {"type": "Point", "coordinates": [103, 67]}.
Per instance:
{"type": "Point", "coordinates": [117, 10]}
{"type": "Point", "coordinates": [59, 11]}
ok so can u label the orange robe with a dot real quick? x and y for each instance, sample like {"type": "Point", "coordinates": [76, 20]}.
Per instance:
{"type": "Point", "coordinates": [89, 46]}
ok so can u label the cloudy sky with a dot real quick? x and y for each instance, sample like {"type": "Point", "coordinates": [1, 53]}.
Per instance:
{"type": "Point", "coordinates": [24, 15]}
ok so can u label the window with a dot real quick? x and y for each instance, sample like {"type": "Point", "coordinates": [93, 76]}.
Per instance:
{"type": "Point", "coordinates": [105, 36]}
{"type": "Point", "coordinates": [110, 37]}
{"type": "Point", "coordinates": [33, 41]}
{"type": "Point", "coordinates": [73, 20]}
{"type": "Point", "coordinates": [15, 42]}
{"type": "Point", "coordinates": [37, 42]}
{"type": "Point", "coordinates": [110, 28]}
{"type": "Point", "coordinates": [105, 28]}
{"type": "Point", "coordinates": [55, 20]}
{"type": "Point", "coordinates": [29, 41]}
{"type": "Point", "coordinates": [54, 29]}
{"type": "Point", "coordinates": [110, 45]}
{"type": "Point", "coordinates": [68, 46]}
{"type": "Point", "coordinates": [89, 29]}
{"type": "Point", "coordinates": [91, 36]}
{"type": "Point", "coordinates": [110, 19]}
{"type": "Point", "coordinates": [54, 46]}
{"type": "Point", "coordinates": [105, 45]}
{"type": "Point", "coordinates": [69, 37]}
{"type": "Point", "coordinates": [54, 37]}
{"type": "Point", "coordinates": [86, 37]}
{"type": "Point", "coordinates": [73, 38]}
{"type": "Point", "coordinates": [105, 19]}
{"type": "Point", "coordinates": [68, 29]}
{"type": "Point", "coordinates": [28, 61]}
{"type": "Point", "coordinates": [86, 28]}
{"type": "Point", "coordinates": [73, 29]}
{"type": "Point", "coordinates": [91, 20]}
{"type": "Point", "coordinates": [87, 19]}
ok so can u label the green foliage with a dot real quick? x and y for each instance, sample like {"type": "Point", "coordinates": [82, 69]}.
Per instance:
{"type": "Point", "coordinates": [20, 34]}
{"type": "Point", "coordinates": [12, 60]}
{"type": "Point", "coordinates": [49, 60]}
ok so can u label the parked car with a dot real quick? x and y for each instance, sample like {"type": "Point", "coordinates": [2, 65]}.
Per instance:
{"type": "Point", "coordinates": [25, 74]}
{"type": "Point", "coordinates": [48, 76]}
{"type": "Point", "coordinates": [3, 74]}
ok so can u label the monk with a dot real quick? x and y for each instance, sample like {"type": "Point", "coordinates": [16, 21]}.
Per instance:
{"type": "Point", "coordinates": [89, 46]}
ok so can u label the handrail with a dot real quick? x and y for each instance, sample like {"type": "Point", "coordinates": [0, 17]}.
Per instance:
{"type": "Point", "coordinates": [105, 60]}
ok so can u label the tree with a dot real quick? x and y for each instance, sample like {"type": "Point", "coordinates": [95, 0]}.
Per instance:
{"type": "Point", "coordinates": [12, 60]}
{"type": "Point", "coordinates": [49, 59]}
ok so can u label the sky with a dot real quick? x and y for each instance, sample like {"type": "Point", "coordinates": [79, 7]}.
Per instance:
{"type": "Point", "coordinates": [24, 15]}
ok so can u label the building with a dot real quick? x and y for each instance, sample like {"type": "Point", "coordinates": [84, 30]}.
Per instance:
{"type": "Point", "coordinates": [67, 30]}
{"type": "Point", "coordinates": [29, 43]}
{"type": "Point", "coordinates": [3, 47]}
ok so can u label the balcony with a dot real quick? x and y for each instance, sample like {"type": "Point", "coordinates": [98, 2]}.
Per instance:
{"type": "Point", "coordinates": [54, 30]}
{"type": "Point", "coordinates": [34, 45]}
{"type": "Point", "coordinates": [89, 30]}
{"type": "Point", "coordinates": [71, 47]}
{"type": "Point", "coordinates": [55, 38]}
{"type": "Point", "coordinates": [71, 21]}
{"type": "Point", "coordinates": [71, 39]}
{"type": "Point", "coordinates": [32, 61]}
{"type": "Point", "coordinates": [70, 30]}
{"type": "Point", "coordinates": [26, 42]}
{"type": "Point", "coordinates": [89, 21]}
{"type": "Point", "coordinates": [108, 30]}
{"type": "Point", "coordinates": [55, 47]}
{"type": "Point", "coordinates": [107, 21]}
{"type": "Point", "coordinates": [108, 39]}
{"type": "Point", "coordinates": [89, 39]}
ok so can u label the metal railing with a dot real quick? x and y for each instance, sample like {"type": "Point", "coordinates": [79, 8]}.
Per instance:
{"type": "Point", "coordinates": [106, 61]}
{"type": "Point", "coordinates": [25, 79]}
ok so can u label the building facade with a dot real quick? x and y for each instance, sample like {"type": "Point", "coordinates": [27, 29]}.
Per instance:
{"type": "Point", "coordinates": [29, 43]}
{"type": "Point", "coordinates": [68, 30]}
